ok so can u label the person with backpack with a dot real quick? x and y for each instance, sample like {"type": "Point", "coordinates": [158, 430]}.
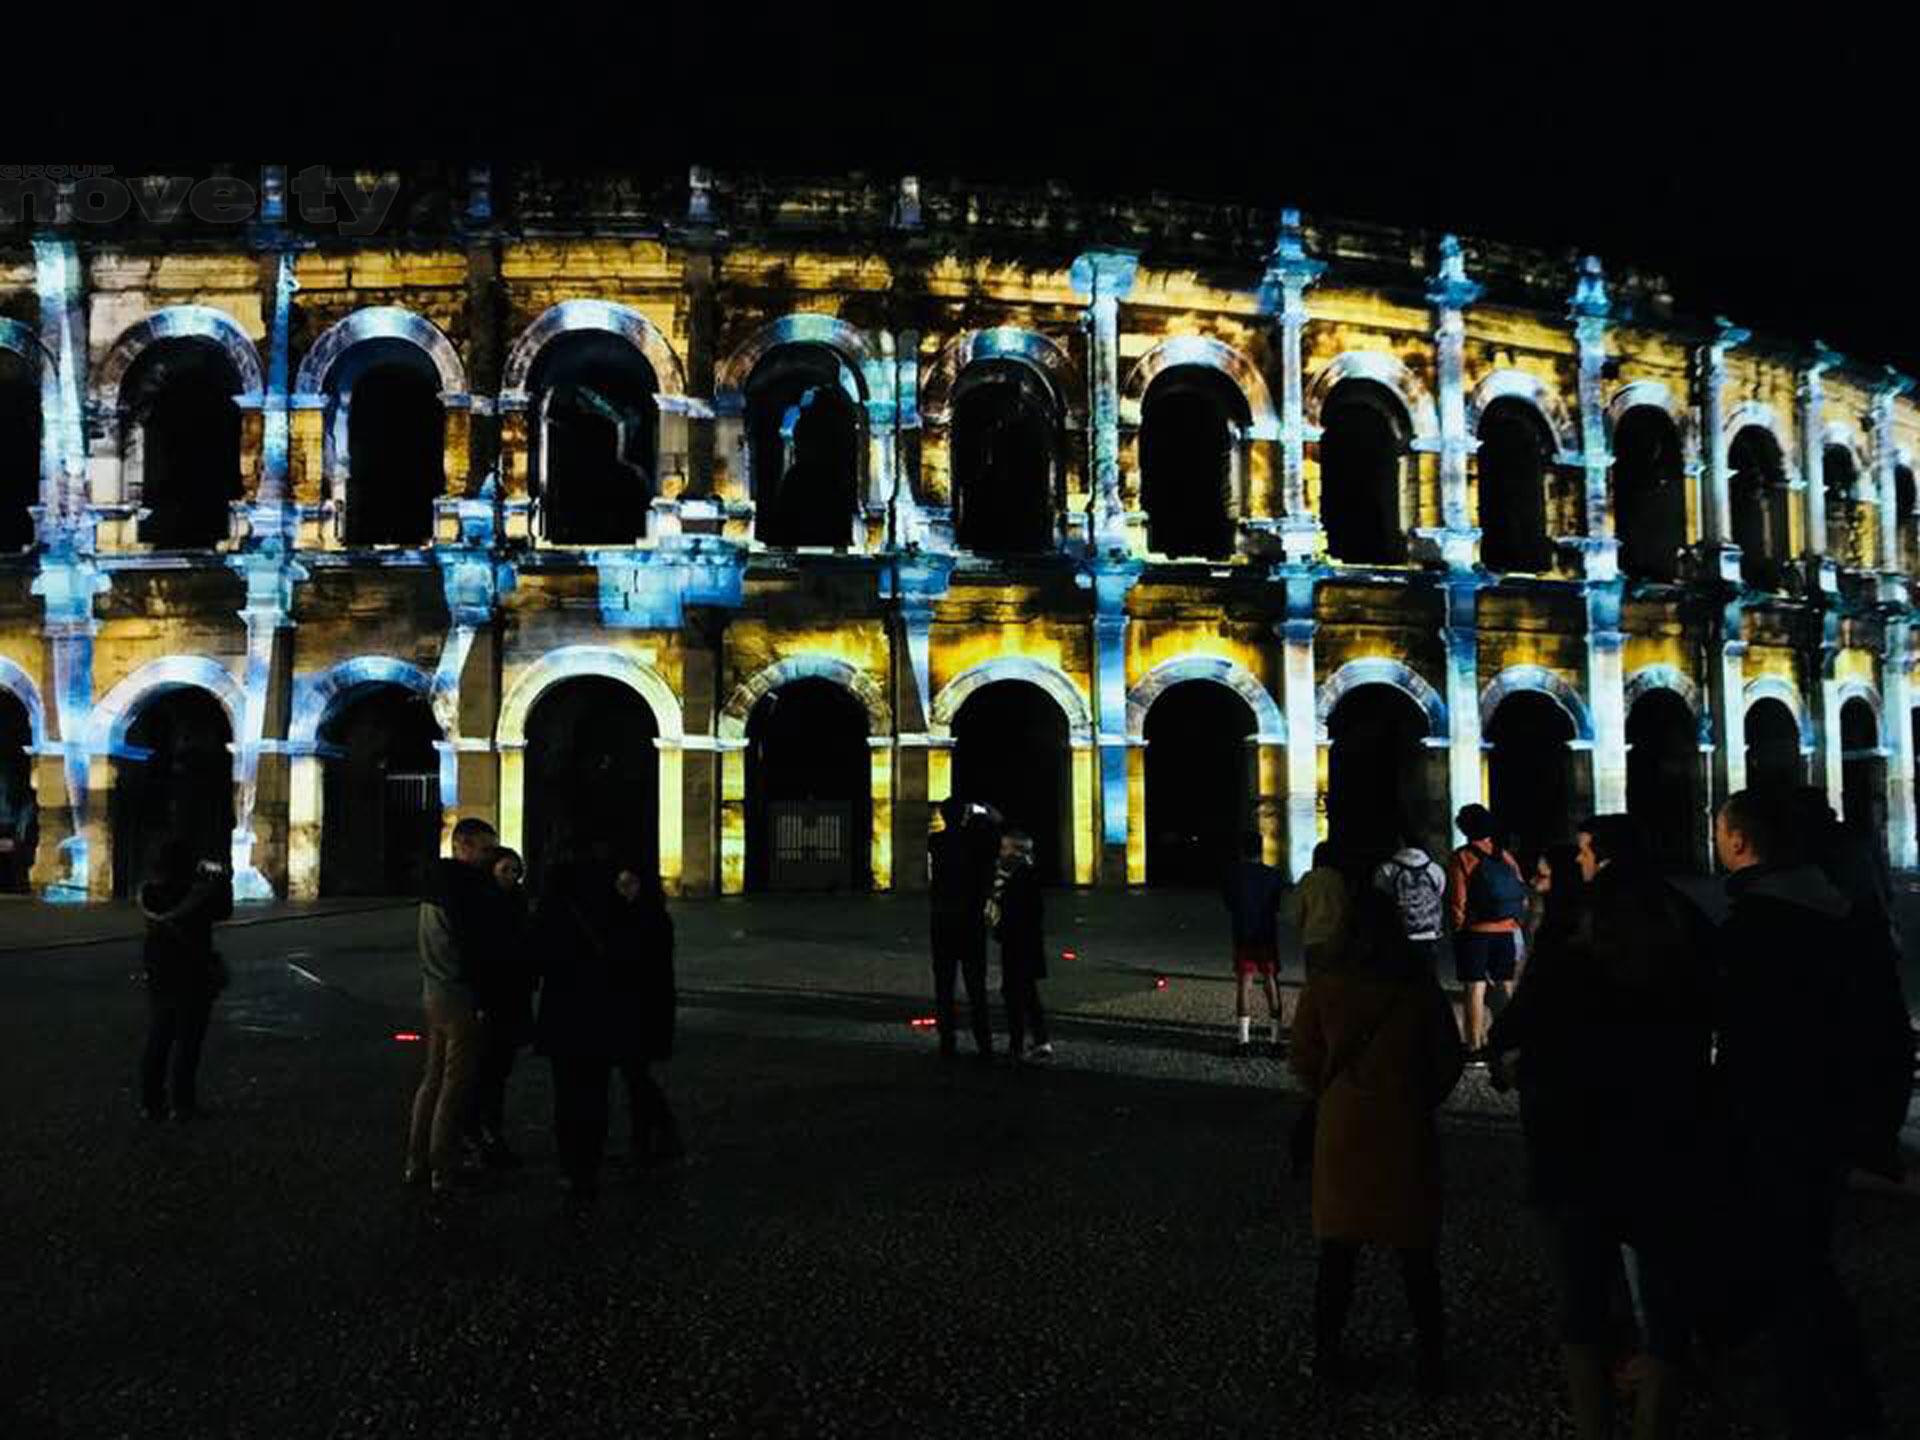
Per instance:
{"type": "Point", "coordinates": [1252, 893]}
{"type": "Point", "coordinates": [1418, 888]}
{"type": "Point", "coordinates": [1486, 905]}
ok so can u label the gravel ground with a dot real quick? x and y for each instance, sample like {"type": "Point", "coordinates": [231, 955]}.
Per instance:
{"type": "Point", "coordinates": [865, 1241]}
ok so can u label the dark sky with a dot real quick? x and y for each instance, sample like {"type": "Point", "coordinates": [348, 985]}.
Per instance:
{"type": "Point", "coordinates": [1766, 171]}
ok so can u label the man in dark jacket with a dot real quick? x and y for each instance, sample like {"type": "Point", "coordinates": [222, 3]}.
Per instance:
{"type": "Point", "coordinates": [1775, 1074]}
{"type": "Point", "coordinates": [1253, 892]}
{"type": "Point", "coordinates": [961, 849]}
{"type": "Point", "coordinates": [181, 900]}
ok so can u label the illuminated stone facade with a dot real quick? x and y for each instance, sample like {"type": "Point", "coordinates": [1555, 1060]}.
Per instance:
{"type": "Point", "coordinates": [1421, 522]}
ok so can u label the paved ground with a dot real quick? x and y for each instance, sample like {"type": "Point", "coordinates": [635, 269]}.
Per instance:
{"type": "Point", "coordinates": [866, 1241]}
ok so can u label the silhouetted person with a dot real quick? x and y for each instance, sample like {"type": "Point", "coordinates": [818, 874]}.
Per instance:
{"type": "Point", "coordinates": [1016, 916]}
{"type": "Point", "coordinates": [1608, 1036]}
{"type": "Point", "coordinates": [643, 933]}
{"type": "Point", "coordinates": [961, 850]}
{"type": "Point", "coordinates": [1486, 906]}
{"type": "Point", "coordinates": [1253, 891]}
{"type": "Point", "coordinates": [503, 983]}
{"type": "Point", "coordinates": [1846, 855]}
{"type": "Point", "coordinates": [1319, 909]}
{"type": "Point", "coordinates": [1374, 1041]}
{"type": "Point", "coordinates": [182, 900]}
{"type": "Point", "coordinates": [455, 904]}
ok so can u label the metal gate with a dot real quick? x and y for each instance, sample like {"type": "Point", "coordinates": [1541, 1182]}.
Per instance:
{"type": "Point", "coordinates": [812, 845]}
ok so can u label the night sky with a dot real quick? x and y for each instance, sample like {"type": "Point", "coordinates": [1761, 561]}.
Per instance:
{"type": "Point", "coordinates": [1766, 172]}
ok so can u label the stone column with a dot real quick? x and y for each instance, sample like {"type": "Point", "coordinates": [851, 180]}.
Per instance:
{"type": "Point", "coordinates": [306, 817]}
{"type": "Point", "coordinates": [1727, 695]}
{"type": "Point", "coordinates": [1600, 549]}
{"type": "Point", "coordinates": [1289, 272]}
{"type": "Point", "coordinates": [1111, 580]}
{"type": "Point", "coordinates": [1449, 292]}
{"type": "Point", "coordinates": [914, 585]}
{"type": "Point", "coordinates": [1903, 831]}
{"type": "Point", "coordinates": [1466, 775]}
{"type": "Point", "coordinates": [1105, 277]}
{"type": "Point", "coordinates": [1716, 517]}
{"type": "Point", "coordinates": [1299, 701]}
{"type": "Point", "coordinates": [1893, 589]}
{"type": "Point", "coordinates": [880, 798]}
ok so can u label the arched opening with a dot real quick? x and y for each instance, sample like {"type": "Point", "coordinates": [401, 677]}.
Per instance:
{"type": "Point", "coordinates": [1906, 521]}
{"type": "Point", "coordinates": [809, 790]}
{"type": "Point", "coordinates": [1192, 421]}
{"type": "Point", "coordinates": [1651, 497]}
{"type": "Point", "coordinates": [594, 446]}
{"type": "Point", "coordinates": [1006, 465]}
{"type": "Point", "coordinates": [388, 393]}
{"type": "Point", "coordinates": [805, 436]}
{"type": "Point", "coordinates": [1846, 535]}
{"type": "Point", "coordinates": [1383, 780]}
{"type": "Point", "coordinates": [19, 450]}
{"type": "Point", "coordinates": [19, 818]}
{"type": "Point", "coordinates": [1774, 761]}
{"type": "Point", "coordinates": [176, 783]}
{"type": "Point", "coordinates": [1515, 462]}
{"type": "Point", "coordinates": [1863, 772]}
{"type": "Point", "coordinates": [1530, 779]}
{"type": "Point", "coordinates": [1010, 752]}
{"type": "Point", "coordinates": [592, 775]}
{"type": "Point", "coordinates": [1665, 790]}
{"type": "Point", "coordinates": [1364, 462]}
{"type": "Point", "coordinates": [380, 811]}
{"type": "Point", "coordinates": [1201, 782]}
{"type": "Point", "coordinates": [1757, 496]}
{"type": "Point", "coordinates": [182, 442]}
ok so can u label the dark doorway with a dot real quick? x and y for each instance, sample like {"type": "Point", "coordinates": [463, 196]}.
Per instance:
{"type": "Point", "coordinates": [19, 450]}
{"type": "Point", "coordinates": [1381, 776]}
{"type": "Point", "coordinates": [1200, 782]}
{"type": "Point", "coordinates": [592, 776]}
{"type": "Point", "coordinates": [184, 429]}
{"type": "Point", "coordinates": [1757, 496]}
{"type": "Point", "coordinates": [1839, 480]}
{"type": "Point", "coordinates": [396, 444]}
{"type": "Point", "coordinates": [1863, 773]}
{"type": "Point", "coordinates": [809, 790]}
{"type": "Point", "coordinates": [1906, 525]}
{"type": "Point", "coordinates": [1010, 752]}
{"type": "Point", "coordinates": [1515, 459]}
{"type": "Point", "coordinates": [1363, 461]}
{"type": "Point", "coordinates": [183, 789]}
{"type": "Point", "coordinates": [1774, 761]}
{"type": "Point", "coordinates": [1664, 779]}
{"type": "Point", "coordinates": [595, 440]}
{"type": "Point", "coordinates": [19, 817]}
{"type": "Point", "coordinates": [1005, 460]}
{"type": "Point", "coordinates": [1530, 781]}
{"type": "Point", "coordinates": [805, 434]}
{"type": "Point", "coordinates": [1191, 422]}
{"type": "Point", "coordinates": [380, 816]}
{"type": "Point", "coordinates": [1649, 485]}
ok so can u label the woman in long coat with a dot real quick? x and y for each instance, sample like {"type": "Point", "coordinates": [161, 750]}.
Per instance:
{"type": "Point", "coordinates": [1374, 1040]}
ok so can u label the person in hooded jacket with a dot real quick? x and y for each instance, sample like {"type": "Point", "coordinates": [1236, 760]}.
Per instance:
{"type": "Point", "coordinates": [1016, 916]}
{"type": "Point", "coordinates": [181, 901]}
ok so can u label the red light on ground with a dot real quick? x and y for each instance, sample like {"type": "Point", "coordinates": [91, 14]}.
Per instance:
{"type": "Point", "coordinates": [404, 1035]}
{"type": "Point", "coordinates": [1159, 982]}
{"type": "Point", "coordinates": [923, 1022]}
{"type": "Point", "coordinates": [1069, 954]}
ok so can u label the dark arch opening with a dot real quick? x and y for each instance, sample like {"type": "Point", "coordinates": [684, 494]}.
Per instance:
{"type": "Point", "coordinates": [186, 432]}
{"type": "Point", "coordinates": [596, 442]}
{"type": "Point", "coordinates": [1005, 460]}
{"type": "Point", "coordinates": [1516, 459]}
{"type": "Point", "coordinates": [809, 790]}
{"type": "Point", "coordinates": [1906, 522]}
{"type": "Point", "coordinates": [1383, 781]}
{"type": "Point", "coordinates": [1363, 462]}
{"type": "Point", "coordinates": [380, 803]}
{"type": "Point", "coordinates": [1863, 772]}
{"type": "Point", "coordinates": [1665, 790]}
{"type": "Point", "coordinates": [592, 776]}
{"type": "Point", "coordinates": [805, 436]}
{"type": "Point", "coordinates": [396, 443]}
{"type": "Point", "coordinates": [1774, 761]}
{"type": "Point", "coordinates": [1530, 781]}
{"type": "Point", "coordinates": [1650, 486]}
{"type": "Point", "coordinates": [19, 450]}
{"type": "Point", "coordinates": [1757, 496]}
{"type": "Point", "coordinates": [19, 816]}
{"type": "Point", "coordinates": [1201, 782]}
{"type": "Point", "coordinates": [1191, 422]}
{"type": "Point", "coordinates": [182, 789]}
{"type": "Point", "coordinates": [1839, 480]}
{"type": "Point", "coordinates": [1010, 752]}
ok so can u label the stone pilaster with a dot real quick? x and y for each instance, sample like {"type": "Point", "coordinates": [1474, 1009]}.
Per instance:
{"type": "Point", "coordinates": [1111, 581]}
{"type": "Point", "coordinates": [1456, 543]}
{"type": "Point", "coordinates": [702, 641]}
{"type": "Point", "coordinates": [1810, 404]}
{"type": "Point", "coordinates": [1299, 702]}
{"type": "Point", "coordinates": [1606, 678]}
{"type": "Point", "coordinates": [914, 585]}
{"type": "Point", "coordinates": [466, 682]}
{"type": "Point", "coordinates": [1893, 586]}
{"type": "Point", "coordinates": [1466, 776]}
{"type": "Point", "coordinates": [1716, 516]}
{"type": "Point", "coordinates": [1105, 277]}
{"type": "Point", "coordinates": [1726, 697]}
{"type": "Point", "coordinates": [1290, 271]}
{"type": "Point", "coordinates": [1903, 829]}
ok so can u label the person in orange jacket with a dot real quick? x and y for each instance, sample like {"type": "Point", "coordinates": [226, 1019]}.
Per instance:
{"type": "Point", "coordinates": [1486, 906]}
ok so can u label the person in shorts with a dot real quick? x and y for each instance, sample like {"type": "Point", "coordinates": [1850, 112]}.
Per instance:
{"type": "Point", "coordinates": [1418, 888]}
{"type": "Point", "coordinates": [1486, 906]}
{"type": "Point", "coordinates": [1252, 894]}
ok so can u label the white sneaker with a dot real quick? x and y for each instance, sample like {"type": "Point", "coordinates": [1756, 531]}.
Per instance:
{"type": "Point", "coordinates": [1041, 1052]}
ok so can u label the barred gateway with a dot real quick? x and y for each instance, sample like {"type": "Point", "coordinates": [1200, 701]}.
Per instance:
{"type": "Point", "coordinates": [733, 521]}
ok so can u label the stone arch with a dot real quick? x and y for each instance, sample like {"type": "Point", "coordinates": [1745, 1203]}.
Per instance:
{"type": "Point", "coordinates": [852, 679]}
{"type": "Point", "coordinates": [1662, 677]}
{"type": "Point", "coordinates": [1533, 391]}
{"type": "Point", "coordinates": [1656, 394]}
{"type": "Point", "coordinates": [120, 706]}
{"type": "Point", "coordinates": [180, 322]}
{"type": "Point", "coordinates": [23, 342]}
{"type": "Point", "coordinates": [1270, 722]}
{"type": "Point", "coordinates": [381, 322]}
{"type": "Point", "coordinates": [1211, 354]}
{"type": "Point", "coordinates": [571, 662]}
{"type": "Point", "coordinates": [1073, 704]}
{"type": "Point", "coordinates": [1380, 670]}
{"type": "Point", "coordinates": [1772, 687]}
{"type": "Point", "coordinates": [572, 316]}
{"type": "Point", "coordinates": [1516, 678]}
{"type": "Point", "coordinates": [1384, 370]}
{"type": "Point", "coordinates": [317, 696]}
{"type": "Point", "coordinates": [1847, 437]}
{"type": "Point", "coordinates": [1043, 356]}
{"type": "Point", "coordinates": [16, 682]}
{"type": "Point", "coordinates": [849, 342]}
{"type": "Point", "coordinates": [1755, 413]}
{"type": "Point", "coordinates": [1861, 690]}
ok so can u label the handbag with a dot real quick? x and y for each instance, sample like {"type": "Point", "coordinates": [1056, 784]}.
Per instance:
{"type": "Point", "coordinates": [1307, 1123]}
